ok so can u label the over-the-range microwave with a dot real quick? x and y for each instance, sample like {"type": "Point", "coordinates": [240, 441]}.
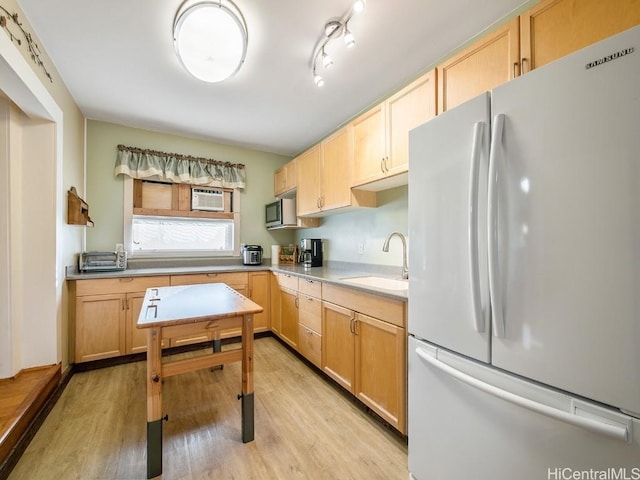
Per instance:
{"type": "Point", "coordinates": [281, 213]}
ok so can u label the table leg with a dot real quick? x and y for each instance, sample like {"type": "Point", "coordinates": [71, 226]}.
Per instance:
{"type": "Point", "coordinates": [154, 403]}
{"type": "Point", "coordinates": [247, 379]}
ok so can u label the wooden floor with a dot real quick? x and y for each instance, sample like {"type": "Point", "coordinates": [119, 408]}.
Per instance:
{"type": "Point", "coordinates": [304, 427]}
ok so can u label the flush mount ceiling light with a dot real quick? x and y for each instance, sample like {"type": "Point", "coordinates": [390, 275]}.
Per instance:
{"type": "Point", "coordinates": [332, 30]}
{"type": "Point", "coordinates": [210, 39]}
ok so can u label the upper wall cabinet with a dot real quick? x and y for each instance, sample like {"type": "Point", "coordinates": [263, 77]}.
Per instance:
{"type": "Point", "coordinates": [555, 28]}
{"type": "Point", "coordinates": [324, 177]}
{"type": "Point", "coordinates": [381, 136]}
{"type": "Point", "coordinates": [285, 180]}
{"type": "Point", "coordinates": [485, 64]}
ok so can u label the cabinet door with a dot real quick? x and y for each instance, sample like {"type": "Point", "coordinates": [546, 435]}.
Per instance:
{"type": "Point", "coordinates": [136, 337]}
{"type": "Point", "coordinates": [259, 292]}
{"type": "Point", "coordinates": [280, 181]}
{"type": "Point", "coordinates": [337, 160]}
{"type": "Point", "coordinates": [410, 107]}
{"type": "Point", "coordinates": [486, 64]}
{"type": "Point", "coordinates": [380, 368]}
{"type": "Point", "coordinates": [291, 178]}
{"type": "Point", "coordinates": [289, 317]}
{"type": "Point", "coordinates": [284, 179]}
{"type": "Point", "coordinates": [275, 303]}
{"type": "Point", "coordinates": [555, 28]}
{"type": "Point", "coordinates": [100, 327]}
{"type": "Point", "coordinates": [338, 345]}
{"type": "Point", "coordinates": [308, 190]}
{"type": "Point", "coordinates": [368, 146]}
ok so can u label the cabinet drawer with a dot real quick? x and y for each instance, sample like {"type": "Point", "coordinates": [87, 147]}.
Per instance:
{"type": "Point", "coordinates": [312, 288]}
{"type": "Point", "coordinates": [310, 312]}
{"type": "Point", "coordinates": [310, 345]}
{"type": "Point", "coordinates": [101, 286]}
{"type": "Point", "coordinates": [384, 308]}
{"type": "Point", "coordinates": [230, 278]}
{"type": "Point", "coordinates": [288, 281]}
{"type": "Point", "coordinates": [189, 339]}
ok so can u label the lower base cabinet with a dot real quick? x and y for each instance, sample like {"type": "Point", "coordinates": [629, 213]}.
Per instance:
{"type": "Point", "coordinates": [380, 368]}
{"type": "Point", "coordinates": [364, 354]}
{"type": "Point", "coordinates": [105, 311]}
{"type": "Point", "coordinates": [338, 348]}
{"type": "Point", "coordinates": [289, 316]}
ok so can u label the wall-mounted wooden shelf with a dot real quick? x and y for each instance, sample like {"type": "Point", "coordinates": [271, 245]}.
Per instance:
{"type": "Point", "coordinates": [77, 209]}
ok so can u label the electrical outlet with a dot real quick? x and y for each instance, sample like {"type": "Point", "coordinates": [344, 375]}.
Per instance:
{"type": "Point", "coordinates": [360, 248]}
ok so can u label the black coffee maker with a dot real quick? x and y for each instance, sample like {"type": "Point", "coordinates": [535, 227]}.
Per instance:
{"type": "Point", "coordinates": [311, 252]}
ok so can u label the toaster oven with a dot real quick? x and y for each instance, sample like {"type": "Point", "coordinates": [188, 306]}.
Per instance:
{"type": "Point", "coordinates": [102, 261]}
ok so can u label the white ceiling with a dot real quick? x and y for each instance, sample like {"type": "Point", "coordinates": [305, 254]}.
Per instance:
{"type": "Point", "coordinates": [116, 57]}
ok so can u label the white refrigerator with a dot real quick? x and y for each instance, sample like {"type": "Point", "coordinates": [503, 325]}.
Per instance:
{"type": "Point", "coordinates": [524, 288]}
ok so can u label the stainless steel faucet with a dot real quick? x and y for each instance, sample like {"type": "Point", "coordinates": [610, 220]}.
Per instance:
{"type": "Point", "coordinates": [385, 248]}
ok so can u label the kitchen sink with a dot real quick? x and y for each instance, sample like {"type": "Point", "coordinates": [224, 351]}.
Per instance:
{"type": "Point", "coordinates": [379, 282]}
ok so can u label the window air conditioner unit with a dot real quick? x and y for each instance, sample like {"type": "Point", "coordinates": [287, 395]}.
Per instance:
{"type": "Point", "coordinates": [208, 200]}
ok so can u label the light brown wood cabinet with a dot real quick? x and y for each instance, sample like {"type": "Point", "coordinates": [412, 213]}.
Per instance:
{"type": "Point", "coordinates": [367, 354]}
{"type": "Point", "coordinates": [288, 300]}
{"type": "Point", "coordinates": [381, 135]}
{"type": "Point", "coordinates": [308, 191]}
{"type": "Point", "coordinates": [338, 347]}
{"type": "Point", "coordinates": [105, 312]}
{"type": "Point", "coordinates": [289, 316]}
{"type": "Point", "coordinates": [324, 177]}
{"type": "Point", "coordinates": [260, 292]}
{"type": "Point", "coordinates": [486, 64]}
{"type": "Point", "coordinates": [275, 303]}
{"type": "Point", "coordinates": [100, 327]}
{"type": "Point", "coordinates": [285, 179]}
{"type": "Point", "coordinates": [310, 320]}
{"type": "Point", "coordinates": [555, 28]}
{"type": "Point", "coordinates": [380, 368]}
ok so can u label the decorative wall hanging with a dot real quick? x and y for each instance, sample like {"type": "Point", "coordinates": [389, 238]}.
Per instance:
{"type": "Point", "coordinates": [32, 46]}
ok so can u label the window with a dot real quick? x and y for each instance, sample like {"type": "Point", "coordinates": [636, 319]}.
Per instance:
{"type": "Point", "coordinates": [180, 235]}
{"type": "Point", "coordinates": [159, 221]}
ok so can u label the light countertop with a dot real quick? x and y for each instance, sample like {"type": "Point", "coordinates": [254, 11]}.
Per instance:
{"type": "Point", "coordinates": [331, 272]}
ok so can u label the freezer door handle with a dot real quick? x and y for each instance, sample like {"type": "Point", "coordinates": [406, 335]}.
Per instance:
{"type": "Point", "coordinates": [474, 265]}
{"type": "Point", "coordinates": [492, 224]}
{"type": "Point", "coordinates": [621, 430]}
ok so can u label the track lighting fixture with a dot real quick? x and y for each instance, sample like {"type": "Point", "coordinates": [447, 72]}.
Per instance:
{"type": "Point", "coordinates": [326, 59]}
{"type": "Point", "coordinates": [332, 30]}
{"type": "Point", "coordinates": [349, 41]}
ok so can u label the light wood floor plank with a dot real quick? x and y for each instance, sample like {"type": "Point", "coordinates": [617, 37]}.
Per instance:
{"type": "Point", "coordinates": [304, 427]}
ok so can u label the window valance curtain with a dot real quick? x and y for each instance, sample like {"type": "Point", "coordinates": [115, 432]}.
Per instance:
{"type": "Point", "coordinates": [175, 168]}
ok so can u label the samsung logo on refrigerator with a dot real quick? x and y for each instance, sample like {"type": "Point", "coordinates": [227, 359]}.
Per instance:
{"type": "Point", "coordinates": [608, 58]}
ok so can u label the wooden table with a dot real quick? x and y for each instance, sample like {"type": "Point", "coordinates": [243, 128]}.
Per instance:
{"type": "Point", "coordinates": [182, 310]}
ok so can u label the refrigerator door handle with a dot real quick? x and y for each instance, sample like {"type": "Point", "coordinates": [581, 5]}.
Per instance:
{"type": "Point", "coordinates": [492, 221]}
{"type": "Point", "coordinates": [619, 431]}
{"type": "Point", "coordinates": [476, 299]}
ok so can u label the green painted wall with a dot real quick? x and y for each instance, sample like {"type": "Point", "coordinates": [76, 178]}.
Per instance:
{"type": "Point", "coordinates": [105, 191]}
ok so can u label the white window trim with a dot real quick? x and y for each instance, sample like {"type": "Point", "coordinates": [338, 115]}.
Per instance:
{"type": "Point", "coordinates": [128, 222]}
